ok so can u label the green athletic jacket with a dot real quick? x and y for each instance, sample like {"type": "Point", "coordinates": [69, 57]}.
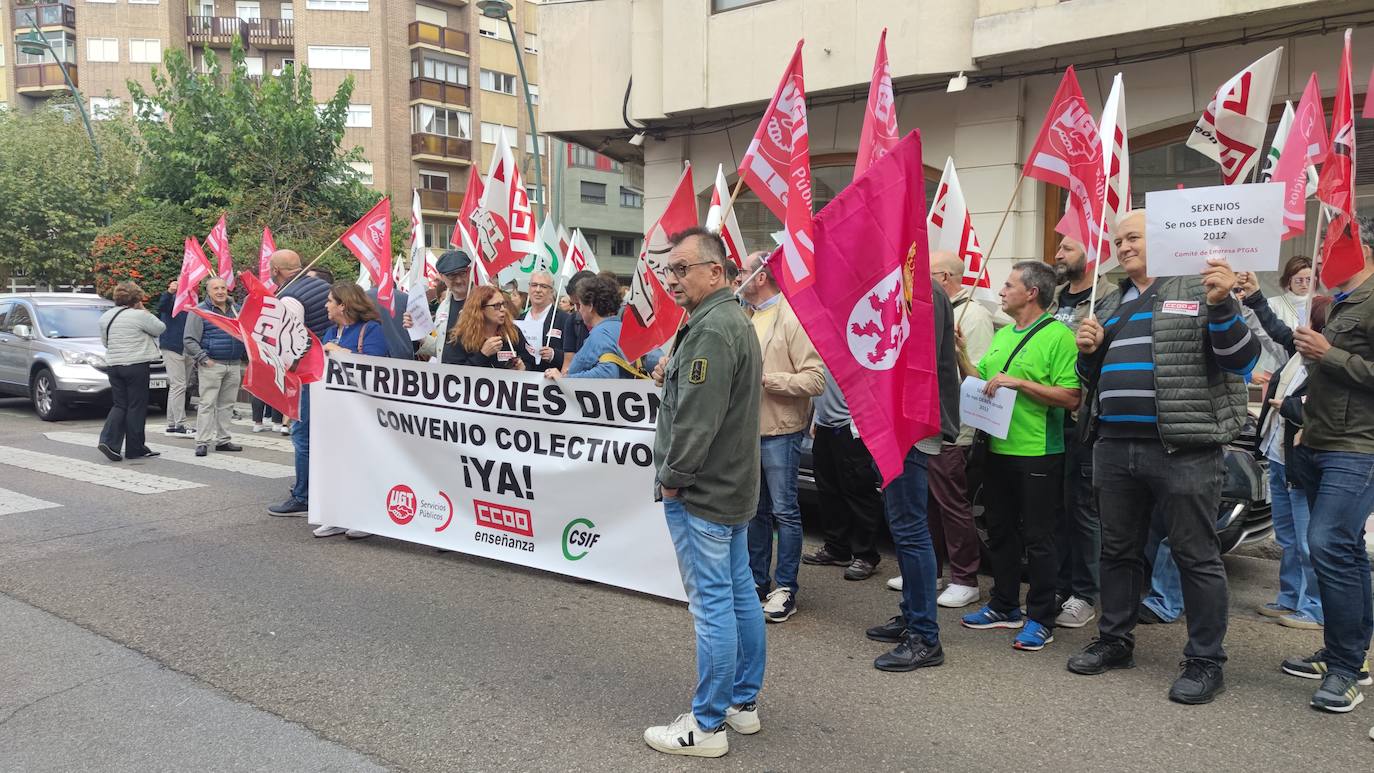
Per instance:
{"type": "Point", "coordinates": [707, 441]}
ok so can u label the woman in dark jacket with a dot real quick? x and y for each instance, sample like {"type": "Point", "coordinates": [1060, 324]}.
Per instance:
{"type": "Point", "coordinates": [485, 337]}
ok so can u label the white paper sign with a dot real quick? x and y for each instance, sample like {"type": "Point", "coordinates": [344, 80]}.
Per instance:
{"type": "Point", "coordinates": [534, 335]}
{"type": "Point", "coordinates": [990, 414]}
{"type": "Point", "coordinates": [1241, 223]}
{"type": "Point", "coordinates": [417, 306]}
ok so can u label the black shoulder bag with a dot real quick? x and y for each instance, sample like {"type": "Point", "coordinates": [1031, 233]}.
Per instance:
{"type": "Point", "coordinates": [976, 464]}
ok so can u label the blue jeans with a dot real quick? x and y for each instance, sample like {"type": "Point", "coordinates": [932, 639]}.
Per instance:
{"type": "Point", "coordinates": [904, 500]}
{"type": "Point", "coordinates": [300, 441]}
{"type": "Point", "coordinates": [1166, 585]}
{"type": "Point", "coordinates": [1340, 499]}
{"type": "Point", "coordinates": [780, 456]}
{"type": "Point", "coordinates": [714, 561]}
{"type": "Point", "coordinates": [1297, 579]}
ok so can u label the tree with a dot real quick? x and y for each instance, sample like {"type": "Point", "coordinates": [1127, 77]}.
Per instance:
{"type": "Point", "coordinates": [55, 194]}
{"type": "Point", "coordinates": [145, 247]}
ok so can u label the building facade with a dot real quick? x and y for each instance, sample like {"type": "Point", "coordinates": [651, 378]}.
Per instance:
{"type": "Point", "coordinates": [694, 76]}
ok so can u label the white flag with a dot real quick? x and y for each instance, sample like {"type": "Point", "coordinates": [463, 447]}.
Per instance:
{"type": "Point", "coordinates": [729, 230]}
{"type": "Point", "coordinates": [949, 228]}
{"type": "Point", "coordinates": [546, 256]}
{"type": "Point", "coordinates": [1231, 129]}
{"type": "Point", "coordinates": [579, 256]}
{"type": "Point", "coordinates": [1116, 170]}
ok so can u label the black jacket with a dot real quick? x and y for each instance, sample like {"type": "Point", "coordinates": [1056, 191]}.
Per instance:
{"type": "Point", "coordinates": [455, 354]}
{"type": "Point", "coordinates": [312, 293]}
{"type": "Point", "coordinates": [557, 320]}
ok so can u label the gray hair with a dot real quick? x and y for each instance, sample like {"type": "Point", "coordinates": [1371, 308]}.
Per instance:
{"type": "Point", "coordinates": [1366, 225]}
{"type": "Point", "coordinates": [543, 273]}
{"type": "Point", "coordinates": [1037, 276]}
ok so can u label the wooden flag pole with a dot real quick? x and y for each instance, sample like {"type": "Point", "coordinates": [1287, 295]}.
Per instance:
{"type": "Point", "coordinates": [311, 264]}
{"type": "Point", "coordinates": [987, 255]}
{"type": "Point", "coordinates": [1306, 319]}
{"type": "Point", "coordinates": [1097, 251]}
{"type": "Point", "coordinates": [730, 205]}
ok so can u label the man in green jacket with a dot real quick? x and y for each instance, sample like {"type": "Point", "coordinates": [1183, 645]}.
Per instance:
{"type": "Point", "coordinates": [706, 453]}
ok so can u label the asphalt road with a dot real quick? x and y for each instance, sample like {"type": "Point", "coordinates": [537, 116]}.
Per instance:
{"type": "Point", "coordinates": [184, 629]}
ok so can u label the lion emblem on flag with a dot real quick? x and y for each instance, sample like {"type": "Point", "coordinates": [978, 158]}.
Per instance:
{"type": "Point", "coordinates": [878, 324]}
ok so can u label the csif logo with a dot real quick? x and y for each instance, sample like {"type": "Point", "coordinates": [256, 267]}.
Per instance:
{"type": "Point", "coordinates": [579, 536]}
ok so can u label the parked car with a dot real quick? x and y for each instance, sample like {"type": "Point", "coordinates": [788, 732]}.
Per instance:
{"type": "Point", "coordinates": [50, 351]}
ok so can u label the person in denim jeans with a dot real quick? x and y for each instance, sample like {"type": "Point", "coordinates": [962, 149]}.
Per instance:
{"type": "Point", "coordinates": [706, 458]}
{"type": "Point", "coordinates": [1333, 461]}
{"type": "Point", "coordinates": [792, 375]}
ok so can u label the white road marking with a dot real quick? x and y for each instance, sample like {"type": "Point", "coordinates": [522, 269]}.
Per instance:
{"type": "Point", "coordinates": [101, 474]}
{"type": "Point", "coordinates": [13, 503]}
{"type": "Point", "coordinates": [183, 455]}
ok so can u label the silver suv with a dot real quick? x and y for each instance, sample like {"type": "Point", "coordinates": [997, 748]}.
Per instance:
{"type": "Point", "coordinates": [50, 350]}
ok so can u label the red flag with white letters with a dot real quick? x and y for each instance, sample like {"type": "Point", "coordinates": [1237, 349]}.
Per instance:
{"type": "Point", "coordinates": [949, 228]}
{"type": "Point", "coordinates": [651, 316]}
{"type": "Point", "coordinates": [879, 134]}
{"type": "Point", "coordinates": [1068, 154]}
{"type": "Point", "coordinates": [503, 222]}
{"type": "Point", "coordinates": [194, 268]}
{"type": "Point", "coordinates": [370, 240]}
{"type": "Point", "coordinates": [283, 355]}
{"type": "Point", "coordinates": [1341, 256]}
{"type": "Point", "coordinates": [218, 242]}
{"type": "Point", "coordinates": [269, 246]}
{"type": "Point", "coordinates": [1301, 151]}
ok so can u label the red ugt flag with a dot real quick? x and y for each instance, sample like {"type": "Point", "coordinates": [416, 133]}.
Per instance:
{"type": "Point", "coordinates": [879, 134]}
{"type": "Point", "coordinates": [218, 242]}
{"type": "Point", "coordinates": [194, 268]}
{"type": "Point", "coordinates": [1341, 255]}
{"type": "Point", "coordinates": [1301, 150]}
{"type": "Point", "coordinates": [777, 167]}
{"type": "Point", "coordinates": [283, 355]}
{"type": "Point", "coordinates": [1068, 153]}
{"type": "Point", "coordinates": [651, 316]}
{"type": "Point", "coordinates": [869, 311]}
{"type": "Point", "coordinates": [269, 246]}
{"type": "Point", "coordinates": [370, 240]}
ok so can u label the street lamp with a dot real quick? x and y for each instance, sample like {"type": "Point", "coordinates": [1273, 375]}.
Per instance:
{"type": "Point", "coordinates": [500, 9]}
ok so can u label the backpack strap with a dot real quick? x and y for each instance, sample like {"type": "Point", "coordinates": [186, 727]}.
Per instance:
{"type": "Point", "coordinates": [634, 369]}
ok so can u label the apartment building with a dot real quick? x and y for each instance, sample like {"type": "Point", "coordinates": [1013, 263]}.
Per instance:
{"type": "Point", "coordinates": [435, 82]}
{"type": "Point", "coordinates": [694, 77]}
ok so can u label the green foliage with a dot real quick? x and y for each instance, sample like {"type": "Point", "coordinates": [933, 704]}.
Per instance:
{"type": "Point", "coordinates": [55, 194]}
{"type": "Point", "coordinates": [145, 247]}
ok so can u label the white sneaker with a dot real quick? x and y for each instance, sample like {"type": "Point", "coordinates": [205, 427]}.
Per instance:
{"type": "Point", "coordinates": [286, 429]}
{"type": "Point", "coordinates": [743, 719]}
{"type": "Point", "coordinates": [328, 531]}
{"type": "Point", "coordinates": [275, 427]}
{"type": "Point", "coordinates": [357, 534]}
{"type": "Point", "coordinates": [684, 737]}
{"type": "Point", "coordinates": [957, 595]}
{"type": "Point", "coordinates": [895, 583]}
{"type": "Point", "coordinates": [1075, 613]}
{"type": "Point", "coordinates": [257, 427]}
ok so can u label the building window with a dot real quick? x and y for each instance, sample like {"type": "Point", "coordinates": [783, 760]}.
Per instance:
{"type": "Point", "coordinates": [490, 130]}
{"type": "Point", "coordinates": [359, 117]}
{"type": "Point", "coordinates": [543, 145]}
{"type": "Point", "coordinates": [497, 81]}
{"type": "Point", "coordinates": [364, 170]}
{"type": "Point", "coordinates": [252, 65]}
{"type": "Point", "coordinates": [428, 119]}
{"type": "Point", "coordinates": [336, 5]}
{"type": "Point", "coordinates": [339, 57]}
{"type": "Point", "coordinates": [63, 43]}
{"type": "Point", "coordinates": [102, 49]}
{"type": "Point", "coordinates": [536, 195]}
{"type": "Point", "coordinates": [105, 108]}
{"type": "Point", "coordinates": [147, 51]}
{"type": "Point", "coordinates": [100, 1]}
{"type": "Point", "coordinates": [433, 181]}
{"type": "Point", "coordinates": [591, 241]}
{"type": "Point", "coordinates": [288, 10]}
{"type": "Point", "coordinates": [449, 69]}
{"type": "Point", "coordinates": [492, 28]}
{"type": "Point", "coordinates": [431, 15]}
{"type": "Point", "coordinates": [631, 198]}
{"type": "Point", "coordinates": [531, 43]}
{"type": "Point", "coordinates": [622, 247]}
{"type": "Point", "coordinates": [534, 93]}
{"type": "Point", "coordinates": [437, 235]}
{"type": "Point", "coordinates": [593, 193]}
{"type": "Point", "coordinates": [587, 158]}
{"type": "Point", "coordinates": [248, 10]}
{"type": "Point", "coordinates": [729, 5]}
{"type": "Point", "coordinates": [143, 2]}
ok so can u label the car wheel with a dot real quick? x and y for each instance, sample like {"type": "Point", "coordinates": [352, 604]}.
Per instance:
{"type": "Point", "coordinates": [43, 393]}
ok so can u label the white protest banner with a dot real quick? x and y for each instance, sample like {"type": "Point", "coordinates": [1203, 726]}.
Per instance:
{"type": "Point", "coordinates": [990, 414]}
{"type": "Point", "coordinates": [494, 463]}
{"type": "Point", "coordinates": [1241, 223]}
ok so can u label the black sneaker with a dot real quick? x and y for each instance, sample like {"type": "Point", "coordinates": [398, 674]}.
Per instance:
{"type": "Point", "coordinates": [893, 631]}
{"type": "Point", "coordinates": [1102, 655]}
{"type": "Point", "coordinates": [1338, 694]}
{"type": "Point", "coordinates": [912, 653]}
{"type": "Point", "coordinates": [202, 449]}
{"type": "Point", "coordinates": [1314, 667]}
{"type": "Point", "coordinates": [177, 430]}
{"type": "Point", "coordinates": [824, 557]}
{"type": "Point", "coordinates": [147, 452]}
{"type": "Point", "coordinates": [1200, 682]}
{"type": "Point", "coordinates": [227, 446]}
{"type": "Point", "coordinates": [109, 453]}
{"type": "Point", "coordinates": [1147, 616]}
{"type": "Point", "coordinates": [859, 569]}
{"type": "Point", "coordinates": [291, 507]}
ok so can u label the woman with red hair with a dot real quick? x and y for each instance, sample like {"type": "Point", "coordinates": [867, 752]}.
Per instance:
{"type": "Point", "coordinates": [485, 336]}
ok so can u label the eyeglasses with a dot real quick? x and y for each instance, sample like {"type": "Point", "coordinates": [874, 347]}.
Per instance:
{"type": "Point", "coordinates": [497, 305]}
{"type": "Point", "coordinates": [540, 286]}
{"type": "Point", "coordinates": [680, 270]}
{"type": "Point", "coordinates": [940, 276]}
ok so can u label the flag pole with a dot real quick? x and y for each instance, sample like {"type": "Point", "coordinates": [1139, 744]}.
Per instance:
{"type": "Point", "coordinates": [312, 263]}
{"type": "Point", "coordinates": [730, 205]}
{"type": "Point", "coordinates": [1306, 319]}
{"type": "Point", "coordinates": [1097, 250]}
{"type": "Point", "coordinates": [987, 255]}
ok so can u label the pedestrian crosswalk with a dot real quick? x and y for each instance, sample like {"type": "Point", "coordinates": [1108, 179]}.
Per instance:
{"type": "Point", "coordinates": [185, 454]}
{"type": "Point", "coordinates": [13, 503]}
{"type": "Point", "coordinates": [101, 474]}
{"type": "Point", "coordinates": [267, 440]}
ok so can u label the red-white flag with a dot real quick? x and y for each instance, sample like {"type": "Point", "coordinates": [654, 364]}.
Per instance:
{"type": "Point", "coordinates": [651, 316]}
{"type": "Point", "coordinates": [269, 246]}
{"type": "Point", "coordinates": [1231, 129]}
{"type": "Point", "coordinates": [370, 240]}
{"type": "Point", "coordinates": [417, 229]}
{"type": "Point", "coordinates": [879, 134]}
{"type": "Point", "coordinates": [949, 228]}
{"type": "Point", "coordinates": [1301, 151]}
{"type": "Point", "coordinates": [505, 229]}
{"type": "Point", "coordinates": [777, 167]}
{"type": "Point", "coordinates": [870, 312]}
{"type": "Point", "coordinates": [1341, 256]}
{"type": "Point", "coordinates": [729, 230]}
{"type": "Point", "coordinates": [1116, 172]}
{"type": "Point", "coordinates": [194, 268]}
{"type": "Point", "coordinates": [218, 242]}
{"type": "Point", "coordinates": [1068, 153]}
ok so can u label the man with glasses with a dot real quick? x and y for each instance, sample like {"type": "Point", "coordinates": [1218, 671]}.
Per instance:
{"type": "Point", "coordinates": [455, 269]}
{"type": "Point", "coordinates": [549, 343]}
{"type": "Point", "coordinates": [706, 454]}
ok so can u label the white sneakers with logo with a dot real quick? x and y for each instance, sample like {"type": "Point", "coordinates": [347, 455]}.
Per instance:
{"type": "Point", "coordinates": [743, 719]}
{"type": "Point", "coordinates": [956, 596]}
{"type": "Point", "coordinates": [683, 736]}
{"type": "Point", "coordinates": [328, 531]}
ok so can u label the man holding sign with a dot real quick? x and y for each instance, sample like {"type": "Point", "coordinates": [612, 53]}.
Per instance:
{"type": "Point", "coordinates": [1034, 358]}
{"type": "Point", "coordinates": [1164, 372]}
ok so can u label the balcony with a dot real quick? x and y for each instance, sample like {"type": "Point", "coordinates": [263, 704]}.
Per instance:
{"type": "Point", "coordinates": [220, 32]}
{"type": "Point", "coordinates": [42, 79]}
{"type": "Point", "coordinates": [441, 37]}
{"type": "Point", "coordinates": [441, 201]}
{"type": "Point", "coordinates": [46, 14]}
{"type": "Point", "coordinates": [434, 147]}
{"type": "Point", "coordinates": [438, 91]}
